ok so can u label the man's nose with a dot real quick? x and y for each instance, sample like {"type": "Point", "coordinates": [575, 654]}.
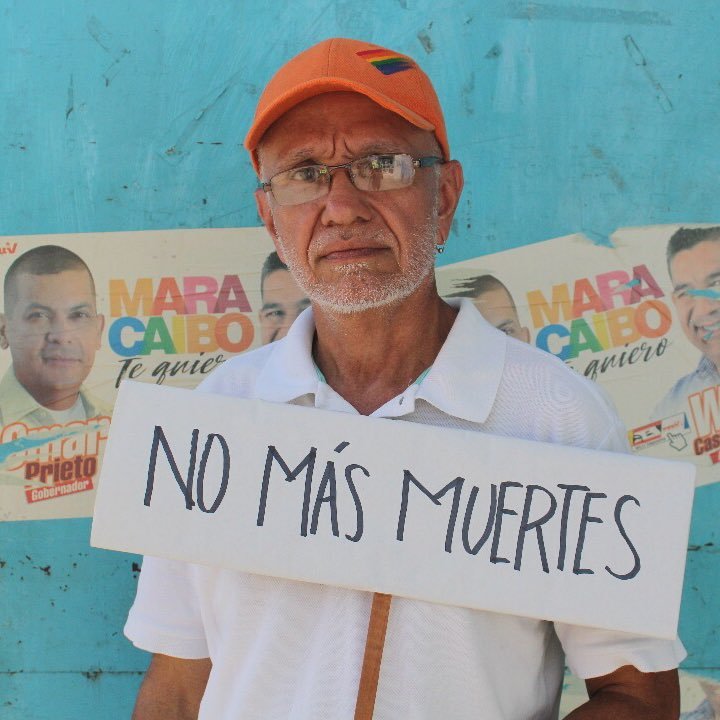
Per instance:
{"type": "Point", "coordinates": [59, 330]}
{"type": "Point", "coordinates": [344, 203]}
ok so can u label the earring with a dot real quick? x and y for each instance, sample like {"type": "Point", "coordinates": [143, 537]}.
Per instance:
{"type": "Point", "coordinates": [439, 248]}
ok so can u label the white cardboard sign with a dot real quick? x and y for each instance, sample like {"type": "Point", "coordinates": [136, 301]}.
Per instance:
{"type": "Point", "coordinates": [449, 516]}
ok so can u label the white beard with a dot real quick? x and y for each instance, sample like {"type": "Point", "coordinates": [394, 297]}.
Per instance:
{"type": "Point", "coordinates": [361, 289]}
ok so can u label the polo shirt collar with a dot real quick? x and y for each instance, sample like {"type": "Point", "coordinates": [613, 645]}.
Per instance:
{"type": "Point", "coordinates": [465, 377]}
{"type": "Point", "coordinates": [290, 372]}
{"type": "Point", "coordinates": [462, 382]}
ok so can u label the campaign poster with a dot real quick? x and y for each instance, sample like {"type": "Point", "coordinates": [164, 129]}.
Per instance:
{"type": "Point", "coordinates": [82, 312]}
{"type": "Point", "coordinates": [615, 315]}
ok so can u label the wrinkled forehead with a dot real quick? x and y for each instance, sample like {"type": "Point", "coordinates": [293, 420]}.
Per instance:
{"type": "Point", "coordinates": [340, 122]}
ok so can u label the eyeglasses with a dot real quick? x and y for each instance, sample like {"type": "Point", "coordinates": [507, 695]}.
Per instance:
{"type": "Point", "coordinates": [372, 173]}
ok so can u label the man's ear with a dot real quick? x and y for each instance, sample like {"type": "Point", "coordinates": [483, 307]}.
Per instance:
{"type": "Point", "coordinates": [451, 185]}
{"type": "Point", "coordinates": [265, 213]}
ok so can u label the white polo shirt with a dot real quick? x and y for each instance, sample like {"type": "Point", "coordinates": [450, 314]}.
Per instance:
{"type": "Point", "coordinates": [286, 650]}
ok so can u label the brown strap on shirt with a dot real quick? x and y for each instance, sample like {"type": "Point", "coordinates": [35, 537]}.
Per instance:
{"type": "Point", "coordinates": [374, 644]}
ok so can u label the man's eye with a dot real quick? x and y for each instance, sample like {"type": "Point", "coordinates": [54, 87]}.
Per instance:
{"type": "Point", "coordinates": [386, 163]}
{"type": "Point", "coordinates": [80, 315]}
{"type": "Point", "coordinates": [273, 314]}
{"type": "Point", "coordinates": [307, 174]}
{"type": "Point", "coordinates": [365, 167]}
{"type": "Point", "coordinates": [37, 315]}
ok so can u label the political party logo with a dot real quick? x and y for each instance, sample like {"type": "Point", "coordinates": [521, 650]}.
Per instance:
{"type": "Point", "coordinates": [671, 429]}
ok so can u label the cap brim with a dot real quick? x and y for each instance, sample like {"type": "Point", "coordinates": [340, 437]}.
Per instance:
{"type": "Point", "coordinates": [318, 86]}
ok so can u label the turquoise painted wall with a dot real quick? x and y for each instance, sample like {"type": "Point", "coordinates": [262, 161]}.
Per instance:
{"type": "Point", "coordinates": [568, 116]}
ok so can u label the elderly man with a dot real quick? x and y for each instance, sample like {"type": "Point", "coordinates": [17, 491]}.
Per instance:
{"type": "Point", "coordinates": [358, 190]}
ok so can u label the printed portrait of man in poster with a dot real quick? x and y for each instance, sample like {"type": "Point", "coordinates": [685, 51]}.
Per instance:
{"type": "Point", "coordinates": [52, 329]}
{"type": "Point", "coordinates": [640, 316]}
{"type": "Point", "coordinates": [77, 320]}
{"type": "Point", "coordinates": [494, 302]}
{"type": "Point", "coordinates": [693, 258]}
{"type": "Point", "coordinates": [282, 299]}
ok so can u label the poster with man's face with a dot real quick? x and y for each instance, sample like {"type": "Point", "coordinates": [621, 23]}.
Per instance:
{"type": "Point", "coordinates": [641, 317]}
{"type": "Point", "coordinates": [82, 313]}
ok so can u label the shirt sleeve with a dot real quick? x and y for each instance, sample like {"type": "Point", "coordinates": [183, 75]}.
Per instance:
{"type": "Point", "coordinates": [590, 652]}
{"type": "Point", "coordinates": [165, 617]}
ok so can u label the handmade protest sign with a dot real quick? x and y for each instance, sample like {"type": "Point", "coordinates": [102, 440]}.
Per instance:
{"type": "Point", "coordinates": [449, 516]}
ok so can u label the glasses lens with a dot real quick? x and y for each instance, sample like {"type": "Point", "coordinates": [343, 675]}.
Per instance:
{"type": "Point", "coordinates": [375, 172]}
{"type": "Point", "coordinates": [383, 172]}
{"type": "Point", "coordinates": [299, 185]}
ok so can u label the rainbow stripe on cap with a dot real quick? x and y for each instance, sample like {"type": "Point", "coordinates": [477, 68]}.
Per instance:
{"type": "Point", "coordinates": [385, 62]}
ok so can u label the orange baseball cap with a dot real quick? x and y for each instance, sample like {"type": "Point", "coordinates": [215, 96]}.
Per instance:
{"type": "Point", "coordinates": [390, 79]}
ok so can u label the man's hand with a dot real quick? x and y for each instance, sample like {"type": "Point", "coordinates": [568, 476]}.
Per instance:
{"type": "Point", "coordinates": [172, 689]}
{"type": "Point", "coordinates": [628, 694]}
